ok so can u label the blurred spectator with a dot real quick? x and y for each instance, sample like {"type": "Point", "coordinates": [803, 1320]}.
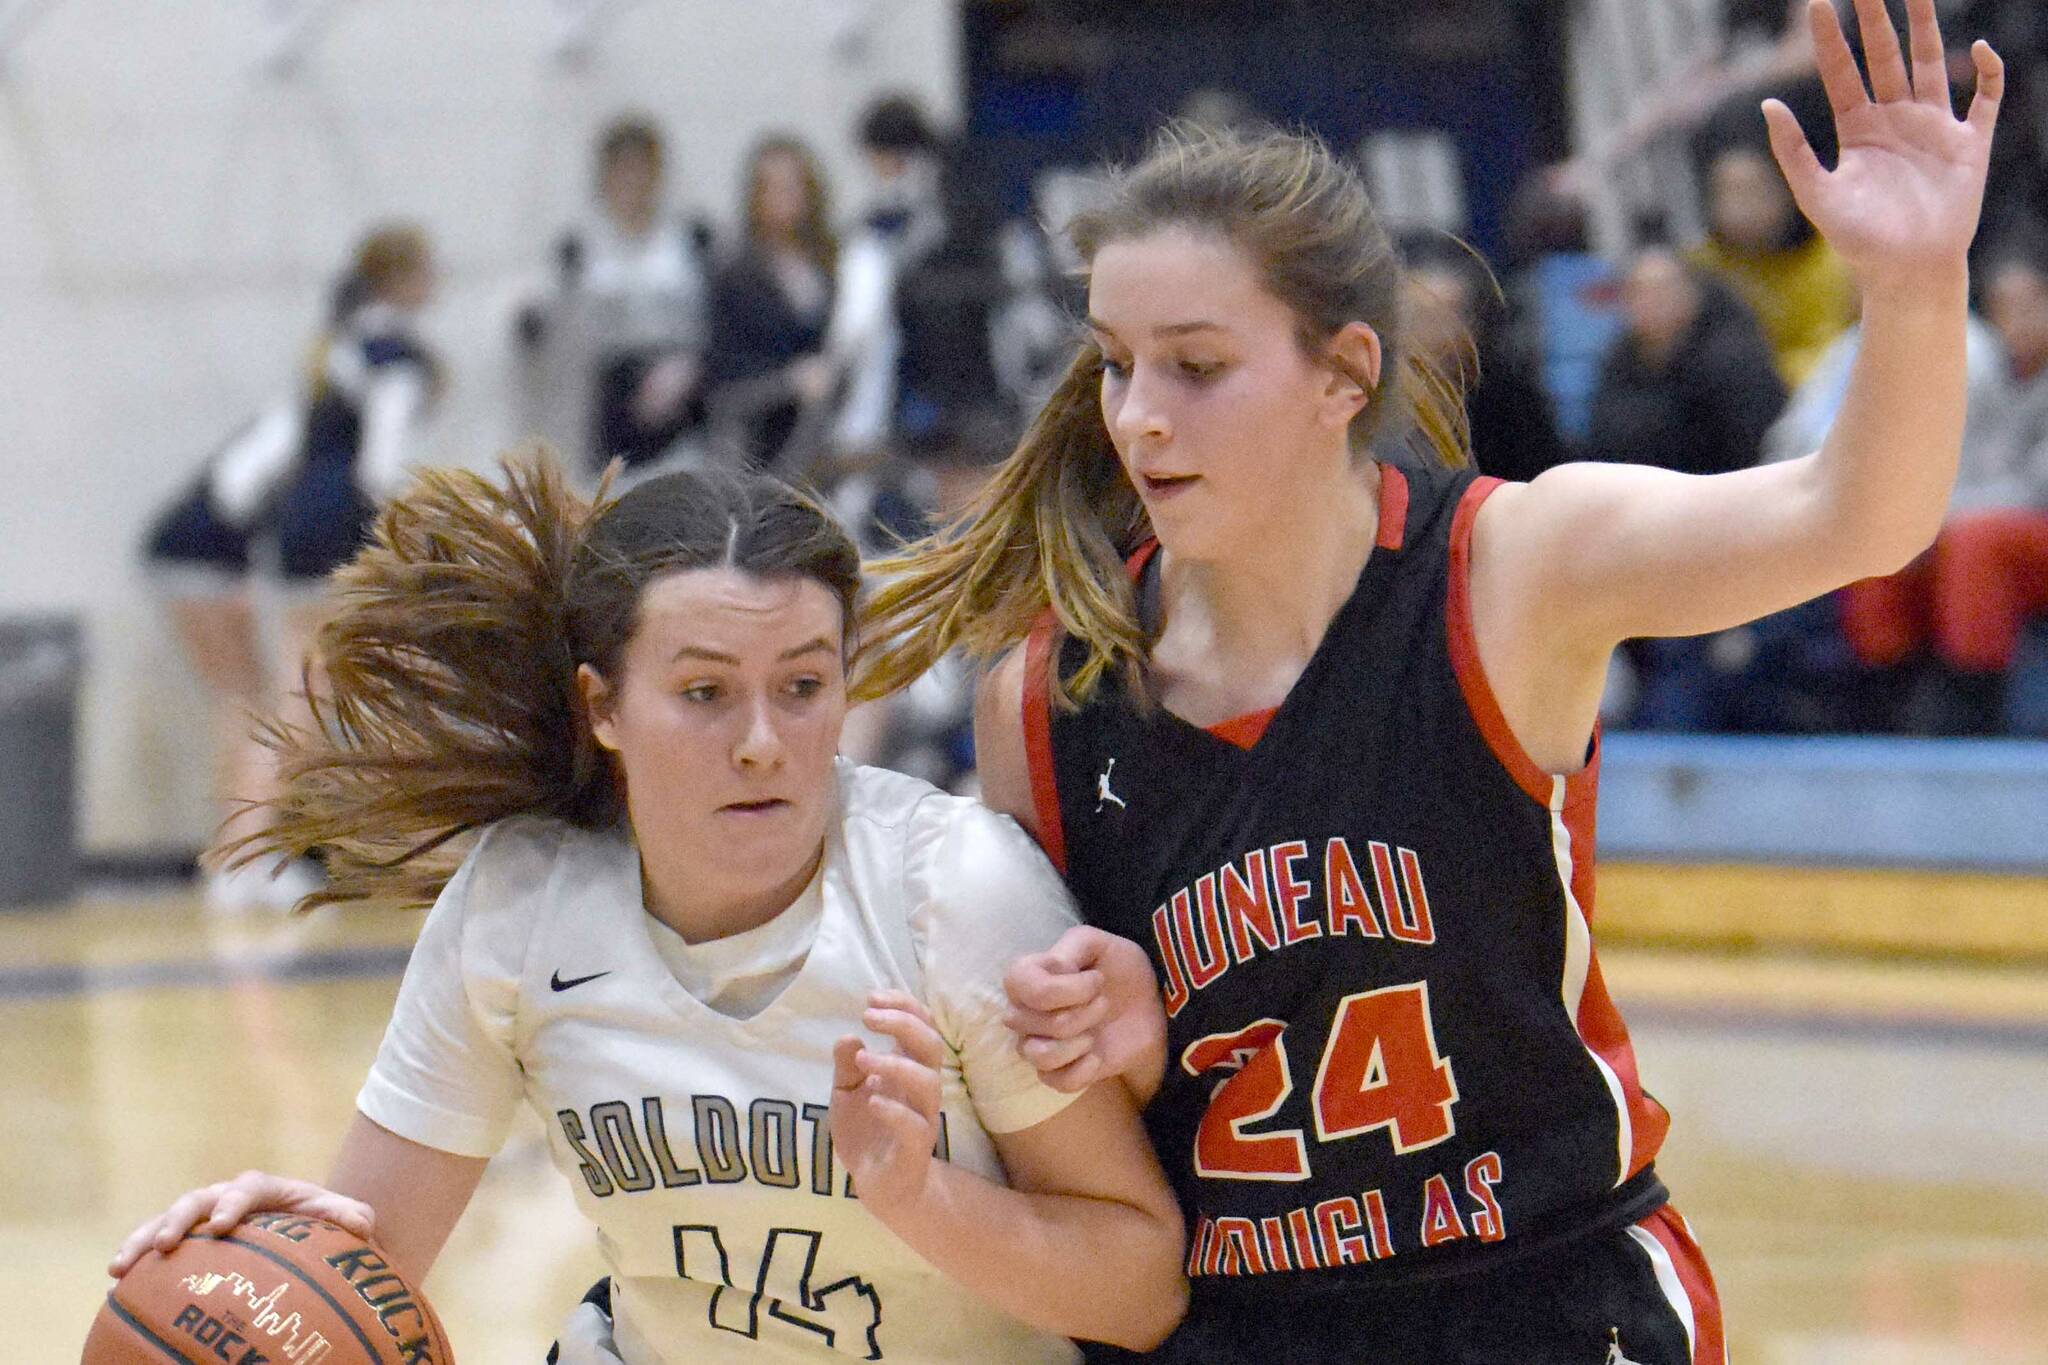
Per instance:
{"type": "Point", "coordinates": [1814, 404]}
{"type": "Point", "coordinates": [370, 391]}
{"type": "Point", "coordinates": [1986, 575]}
{"type": "Point", "coordinates": [953, 416]}
{"type": "Point", "coordinates": [1759, 242]}
{"type": "Point", "coordinates": [1798, 670]}
{"type": "Point", "coordinates": [1565, 300]}
{"type": "Point", "coordinates": [2017, 191]}
{"type": "Point", "coordinates": [1456, 317]}
{"type": "Point", "coordinates": [1031, 335]}
{"type": "Point", "coordinates": [294, 493]}
{"type": "Point", "coordinates": [621, 339]}
{"type": "Point", "coordinates": [1689, 387]}
{"type": "Point", "coordinates": [920, 339]}
{"type": "Point", "coordinates": [767, 378]}
{"type": "Point", "coordinates": [1766, 51]}
{"type": "Point", "coordinates": [899, 222]}
{"type": "Point", "coordinates": [942, 327]}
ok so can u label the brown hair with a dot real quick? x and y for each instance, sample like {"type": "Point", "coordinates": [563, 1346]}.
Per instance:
{"type": "Point", "coordinates": [814, 233]}
{"type": "Point", "coordinates": [1051, 529]}
{"type": "Point", "coordinates": [451, 658]}
{"type": "Point", "coordinates": [389, 253]}
{"type": "Point", "coordinates": [380, 259]}
{"type": "Point", "coordinates": [626, 135]}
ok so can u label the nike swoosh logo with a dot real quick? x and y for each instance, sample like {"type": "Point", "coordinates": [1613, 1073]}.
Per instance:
{"type": "Point", "coordinates": [555, 981]}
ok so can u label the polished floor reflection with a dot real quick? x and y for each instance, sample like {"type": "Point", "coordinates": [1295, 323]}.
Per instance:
{"type": "Point", "coordinates": [1862, 1147]}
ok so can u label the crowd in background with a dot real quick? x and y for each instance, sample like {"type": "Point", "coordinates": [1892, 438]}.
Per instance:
{"type": "Point", "coordinates": [886, 355]}
{"type": "Point", "coordinates": [888, 352]}
{"type": "Point", "coordinates": [1737, 349]}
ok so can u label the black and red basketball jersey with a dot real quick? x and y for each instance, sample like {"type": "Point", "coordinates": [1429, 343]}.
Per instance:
{"type": "Point", "coordinates": [1390, 1052]}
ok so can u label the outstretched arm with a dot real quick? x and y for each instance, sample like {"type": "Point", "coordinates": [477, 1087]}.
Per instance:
{"type": "Point", "coordinates": [1586, 556]}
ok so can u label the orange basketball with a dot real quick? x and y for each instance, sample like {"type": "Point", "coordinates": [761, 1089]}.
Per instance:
{"type": "Point", "coordinates": [280, 1289]}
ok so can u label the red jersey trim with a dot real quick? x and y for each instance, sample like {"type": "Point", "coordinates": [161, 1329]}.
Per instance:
{"type": "Point", "coordinates": [1668, 1228]}
{"type": "Point", "coordinates": [1479, 699]}
{"type": "Point", "coordinates": [1246, 730]}
{"type": "Point", "coordinates": [1045, 791]}
{"type": "Point", "coordinates": [1393, 508]}
{"type": "Point", "coordinates": [1597, 1021]}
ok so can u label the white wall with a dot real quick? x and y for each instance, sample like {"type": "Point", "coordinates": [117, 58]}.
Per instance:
{"type": "Point", "coordinates": [171, 214]}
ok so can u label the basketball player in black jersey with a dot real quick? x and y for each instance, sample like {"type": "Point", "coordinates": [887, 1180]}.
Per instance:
{"type": "Point", "coordinates": [1313, 735]}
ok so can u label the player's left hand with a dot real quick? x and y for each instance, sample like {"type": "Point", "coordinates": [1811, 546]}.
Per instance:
{"type": "Point", "coordinates": [1903, 203]}
{"type": "Point", "coordinates": [1086, 1009]}
{"type": "Point", "coordinates": [885, 1105]}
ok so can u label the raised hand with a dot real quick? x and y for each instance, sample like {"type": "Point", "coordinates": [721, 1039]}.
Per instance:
{"type": "Point", "coordinates": [1088, 1008]}
{"type": "Point", "coordinates": [885, 1105]}
{"type": "Point", "coordinates": [216, 1209]}
{"type": "Point", "coordinates": [1902, 204]}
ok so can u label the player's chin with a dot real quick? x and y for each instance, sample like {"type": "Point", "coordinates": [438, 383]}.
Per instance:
{"type": "Point", "coordinates": [768, 838]}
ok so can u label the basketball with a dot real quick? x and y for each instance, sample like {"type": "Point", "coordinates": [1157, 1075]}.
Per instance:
{"type": "Point", "coordinates": [280, 1288]}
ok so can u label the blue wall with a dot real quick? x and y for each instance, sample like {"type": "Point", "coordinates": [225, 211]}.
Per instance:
{"type": "Point", "coordinates": [1326, 67]}
{"type": "Point", "coordinates": [1842, 802]}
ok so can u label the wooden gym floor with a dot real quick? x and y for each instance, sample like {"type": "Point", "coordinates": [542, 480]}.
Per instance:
{"type": "Point", "coordinates": [1861, 1144]}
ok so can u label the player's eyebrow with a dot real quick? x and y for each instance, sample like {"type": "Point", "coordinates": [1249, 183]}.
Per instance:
{"type": "Point", "coordinates": [818, 644]}
{"type": "Point", "coordinates": [1170, 329]}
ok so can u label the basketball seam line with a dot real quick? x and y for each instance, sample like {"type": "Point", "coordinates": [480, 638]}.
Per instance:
{"type": "Point", "coordinates": [369, 1350]}
{"type": "Point", "coordinates": [166, 1347]}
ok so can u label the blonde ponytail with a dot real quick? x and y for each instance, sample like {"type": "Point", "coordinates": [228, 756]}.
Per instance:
{"type": "Point", "coordinates": [1050, 529]}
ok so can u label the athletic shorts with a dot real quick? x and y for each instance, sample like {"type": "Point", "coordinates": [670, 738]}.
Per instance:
{"type": "Point", "coordinates": [1640, 1295]}
{"type": "Point", "coordinates": [322, 520]}
{"type": "Point", "coordinates": [190, 534]}
{"type": "Point", "coordinates": [586, 1337]}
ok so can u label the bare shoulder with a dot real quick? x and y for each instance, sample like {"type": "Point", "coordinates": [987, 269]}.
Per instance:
{"type": "Point", "coordinates": [1538, 551]}
{"type": "Point", "coordinates": [999, 750]}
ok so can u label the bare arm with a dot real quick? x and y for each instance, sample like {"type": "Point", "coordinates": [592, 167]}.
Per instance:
{"type": "Point", "coordinates": [1586, 556]}
{"type": "Point", "coordinates": [1087, 1008]}
{"type": "Point", "coordinates": [405, 1196]}
{"type": "Point", "coordinates": [999, 742]}
{"type": "Point", "coordinates": [1085, 1241]}
{"type": "Point", "coordinates": [418, 1192]}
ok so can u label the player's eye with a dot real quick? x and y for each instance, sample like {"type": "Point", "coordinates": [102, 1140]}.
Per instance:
{"type": "Point", "coordinates": [701, 692]}
{"type": "Point", "coordinates": [805, 688]}
{"type": "Point", "coordinates": [1201, 372]}
{"type": "Point", "coordinates": [1115, 369]}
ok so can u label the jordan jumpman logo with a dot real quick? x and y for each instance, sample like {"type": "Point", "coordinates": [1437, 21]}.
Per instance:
{"type": "Point", "coordinates": [1103, 795]}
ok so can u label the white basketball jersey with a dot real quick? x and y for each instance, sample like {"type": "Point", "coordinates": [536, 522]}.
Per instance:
{"type": "Point", "coordinates": [698, 1142]}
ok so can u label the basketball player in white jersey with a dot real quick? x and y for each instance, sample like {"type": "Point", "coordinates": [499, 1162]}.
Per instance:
{"type": "Point", "coordinates": [680, 938]}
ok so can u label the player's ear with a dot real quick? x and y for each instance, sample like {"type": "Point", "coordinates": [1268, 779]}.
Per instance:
{"type": "Point", "coordinates": [1354, 359]}
{"type": "Point", "coordinates": [598, 701]}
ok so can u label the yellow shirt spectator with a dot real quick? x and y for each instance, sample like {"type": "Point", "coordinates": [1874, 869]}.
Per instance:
{"type": "Point", "coordinates": [1798, 287]}
{"type": "Point", "coordinates": [1804, 297]}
